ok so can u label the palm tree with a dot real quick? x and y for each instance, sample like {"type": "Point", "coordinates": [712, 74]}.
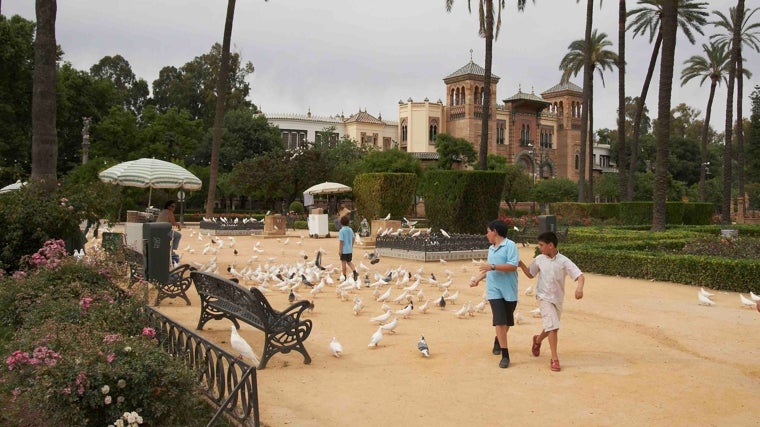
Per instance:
{"type": "Point", "coordinates": [713, 66]}
{"type": "Point", "coordinates": [622, 149]}
{"type": "Point", "coordinates": [574, 61]}
{"type": "Point", "coordinates": [662, 134]}
{"type": "Point", "coordinates": [221, 107]}
{"type": "Point", "coordinates": [691, 17]}
{"type": "Point", "coordinates": [749, 35]}
{"type": "Point", "coordinates": [487, 31]}
{"type": "Point", "coordinates": [44, 139]}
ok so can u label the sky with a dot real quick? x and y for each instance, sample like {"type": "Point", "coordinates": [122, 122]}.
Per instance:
{"type": "Point", "coordinates": [342, 56]}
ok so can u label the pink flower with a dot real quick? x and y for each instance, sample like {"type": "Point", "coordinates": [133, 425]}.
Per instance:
{"type": "Point", "coordinates": [18, 275]}
{"type": "Point", "coordinates": [111, 338]}
{"type": "Point", "coordinates": [149, 332]}
{"type": "Point", "coordinates": [85, 302]}
{"type": "Point", "coordinates": [111, 357]}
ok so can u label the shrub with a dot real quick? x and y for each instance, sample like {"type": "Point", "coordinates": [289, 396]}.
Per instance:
{"type": "Point", "coordinates": [297, 207]}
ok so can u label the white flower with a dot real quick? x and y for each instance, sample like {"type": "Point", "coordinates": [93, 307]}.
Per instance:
{"type": "Point", "coordinates": [105, 389]}
{"type": "Point", "coordinates": [121, 383]}
{"type": "Point", "coordinates": [107, 400]}
{"type": "Point", "coordinates": [120, 399]}
{"type": "Point", "coordinates": [127, 349]}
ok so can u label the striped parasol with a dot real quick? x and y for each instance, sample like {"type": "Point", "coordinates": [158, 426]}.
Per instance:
{"type": "Point", "coordinates": [150, 173]}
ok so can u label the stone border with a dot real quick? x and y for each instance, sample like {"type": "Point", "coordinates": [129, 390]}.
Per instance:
{"type": "Point", "coordinates": [433, 256]}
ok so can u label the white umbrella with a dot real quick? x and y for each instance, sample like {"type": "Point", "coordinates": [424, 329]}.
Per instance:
{"type": "Point", "coordinates": [150, 173]}
{"type": "Point", "coordinates": [328, 188]}
{"type": "Point", "coordinates": [12, 187]}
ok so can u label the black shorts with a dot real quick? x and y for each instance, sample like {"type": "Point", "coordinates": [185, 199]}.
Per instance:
{"type": "Point", "coordinates": [346, 257]}
{"type": "Point", "coordinates": [503, 311]}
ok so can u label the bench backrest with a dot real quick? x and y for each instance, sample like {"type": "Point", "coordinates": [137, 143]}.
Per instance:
{"type": "Point", "coordinates": [248, 305]}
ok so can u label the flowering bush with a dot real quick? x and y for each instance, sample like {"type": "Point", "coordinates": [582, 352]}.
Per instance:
{"type": "Point", "coordinates": [48, 256]}
{"type": "Point", "coordinates": [737, 247]}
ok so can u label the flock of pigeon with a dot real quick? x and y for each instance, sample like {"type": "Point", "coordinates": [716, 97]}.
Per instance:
{"type": "Point", "coordinates": [705, 298]}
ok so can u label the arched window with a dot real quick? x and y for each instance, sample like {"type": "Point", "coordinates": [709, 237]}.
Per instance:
{"type": "Point", "coordinates": [561, 108]}
{"type": "Point", "coordinates": [577, 161]}
{"type": "Point", "coordinates": [463, 99]}
{"type": "Point", "coordinates": [477, 96]}
{"type": "Point", "coordinates": [456, 97]}
{"type": "Point", "coordinates": [403, 131]}
{"type": "Point", "coordinates": [451, 97]}
{"type": "Point", "coordinates": [432, 130]}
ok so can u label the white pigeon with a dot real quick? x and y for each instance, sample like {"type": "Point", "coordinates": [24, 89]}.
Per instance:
{"type": "Point", "coordinates": [424, 307]}
{"type": "Point", "coordinates": [357, 239]}
{"type": "Point", "coordinates": [481, 307]}
{"type": "Point", "coordinates": [519, 319]}
{"type": "Point", "coordinates": [381, 318]}
{"type": "Point", "coordinates": [422, 346]}
{"type": "Point", "coordinates": [445, 233]}
{"type": "Point", "coordinates": [747, 302]}
{"type": "Point", "coordinates": [754, 297]}
{"type": "Point", "coordinates": [703, 300]}
{"type": "Point", "coordinates": [384, 296]}
{"type": "Point", "coordinates": [390, 326]}
{"type": "Point", "coordinates": [536, 312]}
{"type": "Point", "coordinates": [336, 348]}
{"type": "Point", "coordinates": [462, 312]}
{"type": "Point", "coordinates": [242, 347]}
{"type": "Point", "coordinates": [376, 337]}
{"type": "Point", "coordinates": [529, 291]}
{"type": "Point", "coordinates": [404, 312]}
{"type": "Point", "coordinates": [387, 217]}
{"type": "Point", "coordinates": [705, 293]}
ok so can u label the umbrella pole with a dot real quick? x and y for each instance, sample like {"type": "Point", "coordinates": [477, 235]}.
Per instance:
{"type": "Point", "coordinates": [150, 195]}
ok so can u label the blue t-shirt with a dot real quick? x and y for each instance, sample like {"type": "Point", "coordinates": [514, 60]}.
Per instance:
{"type": "Point", "coordinates": [502, 284]}
{"type": "Point", "coordinates": [346, 235]}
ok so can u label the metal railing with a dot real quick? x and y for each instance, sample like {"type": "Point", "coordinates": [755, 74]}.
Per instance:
{"type": "Point", "coordinates": [433, 242]}
{"type": "Point", "coordinates": [228, 382]}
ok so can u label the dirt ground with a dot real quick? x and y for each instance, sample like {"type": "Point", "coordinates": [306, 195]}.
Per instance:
{"type": "Point", "coordinates": [633, 352]}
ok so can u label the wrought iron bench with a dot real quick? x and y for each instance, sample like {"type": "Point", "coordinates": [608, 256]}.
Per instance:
{"type": "Point", "coordinates": [177, 285]}
{"type": "Point", "coordinates": [284, 330]}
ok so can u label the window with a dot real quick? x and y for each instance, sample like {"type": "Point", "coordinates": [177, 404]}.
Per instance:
{"type": "Point", "coordinates": [330, 140]}
{"type": "Point", "coordinates": [501, 130]}
{"type": "Point", "coordinates": [577, 161]}
{"type": "Point", "coordinates": [293, 138]}
{"type": "Point", "coordinates": [432, 130]}
{"type": "Point", "coordinates": [403, 131]}
{"type": "Point", "coordinates": [477, 96]}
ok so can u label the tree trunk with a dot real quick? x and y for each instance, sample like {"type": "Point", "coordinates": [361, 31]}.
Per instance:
{"type": "Point", "coordinates": [221, 107]}
{"type": "Point", "coordinates": [739, 118]}
{"type": "Point", "coordinates": [661, 177]}
{"type": "Point", "coordinates": [586, 96]}
{"type": "Point", "coordinates": [705, 128]}
{"type": "Point", "coordinates": [44, 139]}
{"type": "Point", "coordinates": [639, 113]}
{"type": "Point", "coordinates": [727, 155]}
{"type": "Point", "coordinates": [622, 153]}
{"type": "Point", "coordinates": [591, 162]}
{"type": "Point", "coordinates": [483, 152]}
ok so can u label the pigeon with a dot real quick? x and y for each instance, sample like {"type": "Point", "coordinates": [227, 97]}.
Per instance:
{"type": "Point", "coordinates": [404, 312]}
{"type": "Point", "coordinates": [754, 297]}
{"type": "Point", "coordinates": [306, 281]}
{"type": "Point", "coordinates": [390, 326]}
{"type": "Point", "coordinates": [381, 318]}
{"type": "Point", "coordinates": [384, 296]}
{"type": "Point", "coordinates": [422, 346]}
{"type": "Point", "coordinates": [242, 347]}
{"type": "Point", "coordinates": [705, 293]}
{"type": "Point", "coordinates": [703, 300]}
{"type": "Point", "coordinates": [445, 233]}
{"type": "Point", "coordinates": [442, 303]}
{"type": "Point", "coordinates": [291, 296]}
{"type": "Point", "coordinates": [746, 301]}
{"type": "Point", "coordinates": [387, 217]}
{"type": "Point", "coordinates": [424, 307]}
{"type": "Point", "coordinates": [462, 312]}
{"type": "Point", "coordinates": [376, 337]}
{"type": "Point", "coordinates": [336, 348]}
{"type": "Point", "coordinates": [536, 312]}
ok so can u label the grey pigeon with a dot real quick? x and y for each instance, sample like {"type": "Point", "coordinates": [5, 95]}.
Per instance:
{"type": "Point", "coordinates": [423, 347]}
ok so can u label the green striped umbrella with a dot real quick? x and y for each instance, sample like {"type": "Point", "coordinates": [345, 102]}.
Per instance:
{"type": "Point", "coordinates": [150, 173]}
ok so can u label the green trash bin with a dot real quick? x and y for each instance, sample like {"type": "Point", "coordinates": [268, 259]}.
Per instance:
{"type": "Point", "coordinates": [157, 250]}
{"type": "Point", "coordinates": [547, 223]}
{"type": "Point", "coordinates": [112, 242]}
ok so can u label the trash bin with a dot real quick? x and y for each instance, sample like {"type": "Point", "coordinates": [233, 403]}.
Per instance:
{"type": "Point", "coordinates": [547, 223]}
{"type": "Point", "coordinates": [157, 250]}
{"type": "Point", "coordinates": [112, 242]}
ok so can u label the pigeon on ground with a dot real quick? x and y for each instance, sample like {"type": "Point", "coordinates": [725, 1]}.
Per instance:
{"type": "Point", "coordinates": [376, 337]}
{"type": "Point", "coordinates": [442, 303]}
{"type": "Point", "coordinates": [445, 233]}
{"type": "Point", "coordinates": [336, 348]}
{"type": "Point", "coordinates": [424, 307]}
{"type": "Point", "coordinates": [705, 293]}
{"type": "Point", "coordinates": [703, 300]}
{"type": "Point", "coordinates": [242, 347]}
{"type": "Point", "coordinates": [422, 346]}
{"type": "Point", "coordinates": [291, 296]}
{"type": "Point", "coordinates": [387, 217]}
{"type": "Point", "coordinates": [381, 318]}
{"type": "Point", "coordinates": [404, 312]}
{"type": "Point", "coordinates": [390, 326]}
{"type": "Point", "coordinates": [746, 301]}
{"type": "Point", "coordinates": [754, 297]}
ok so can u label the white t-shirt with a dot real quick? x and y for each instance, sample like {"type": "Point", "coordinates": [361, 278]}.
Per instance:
{"type": "Point", "coordinates": [551, 276]}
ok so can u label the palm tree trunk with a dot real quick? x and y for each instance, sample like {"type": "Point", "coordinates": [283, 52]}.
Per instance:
{"type": "Point", "coordinates": [622, 153]}
{"type": "Point", "coordinates": [591, 142]}
{"type": "Point", "coordinates": [668, 31]}
{"type": "Point", "coordinates": [705, 128]}
{"type": "Point", "coordinates": [740, 122]}
{"type": "Point", "coordinates": [483, 152]}
{"type": "Point", "coordinates": [640, 112]}
{"type": "Point", "coordinates": [586, 96]}
{"type": "Point", "coordinates": [44, 139]}
{"type": "Point", "coordinates": [221, 104]}
{"type": "Point", "coordinates": [727, 155]}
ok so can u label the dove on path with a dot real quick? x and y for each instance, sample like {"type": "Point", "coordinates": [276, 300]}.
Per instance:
{"type": "Point", "coordinates": [422, 346]}
{"type": "Point", "coordinates": [336, 348]}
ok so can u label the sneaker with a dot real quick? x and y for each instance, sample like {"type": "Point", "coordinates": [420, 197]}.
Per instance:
{"type": "Point", "coordinates": [496, 347]}
{"type": "Point", "coordinates": [504, 362]}
{"type": "Point", "coordinates": [554, 365]}
{"type": "Point", "coordinates": [536, 349]}
{"type": "Point", "coordinates": [356, 275]}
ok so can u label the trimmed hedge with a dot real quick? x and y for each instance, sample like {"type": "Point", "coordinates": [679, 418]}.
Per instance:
{"type": "Point", "coordinates": [462, 201]}
{"type": "Point", "coordinates": [377, 194]}
{"type": "Point", "coordinates": [632, 213]}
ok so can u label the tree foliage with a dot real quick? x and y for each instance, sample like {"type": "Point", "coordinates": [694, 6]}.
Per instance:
{"type": "Point", "coordinates": [451, 149]}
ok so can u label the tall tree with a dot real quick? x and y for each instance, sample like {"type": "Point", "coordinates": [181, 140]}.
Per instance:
{"type": "Point", "coordinates": [489, 33]}
{"type": "Point", "coordinates": [621, 138]}
{"type": "Point", "coordinates": [713, 66]}
{"type": "Point", "coordinates": [221, 107]}
{"type": "Point", "coordinates": [575, 61]}
{"type": "Point", "coordinates": [44, 140]}
{"type": "Point", "coordinates": [749, 34]}
{"type": "Point", "coordinates": [662, 133]}
{"type": "Point", "coordinates": [132, 91]}
{"type": "Point", "coordinates": [646, 19]}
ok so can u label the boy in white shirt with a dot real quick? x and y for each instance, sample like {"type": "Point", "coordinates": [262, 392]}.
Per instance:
{"type": "Point", "coordinates": [550, 290]}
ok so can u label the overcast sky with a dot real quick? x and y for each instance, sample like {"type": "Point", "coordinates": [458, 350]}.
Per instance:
{"type": "Point", "coordinates": [345, 55]}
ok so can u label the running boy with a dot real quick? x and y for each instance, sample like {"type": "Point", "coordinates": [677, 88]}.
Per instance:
{"type": "Point", "coordinates": [346, 246]}
{"type": "Point", "coordinates": [550, 290]}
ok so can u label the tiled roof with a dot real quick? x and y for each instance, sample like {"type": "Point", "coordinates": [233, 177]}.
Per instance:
{"type": "Point", "coordinates": [470, 68]}
{"type": "Point", "coordinates": [564, 86]}
{"type": "Point", "coordinates": [364, 117]}
{"type": "Point", "coordinates": [522, 96]}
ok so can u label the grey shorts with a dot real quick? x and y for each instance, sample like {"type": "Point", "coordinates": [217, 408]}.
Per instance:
{"type": "Point", "coordinates": [503, 311]}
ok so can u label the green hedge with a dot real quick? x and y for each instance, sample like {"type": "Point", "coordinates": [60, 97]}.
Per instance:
{"type": "Point", "coordinates": [635, 212]}
{"type": "Point", "coordinates": [378, 194]}
{"type": "Point", "coordinates": [462, 201]}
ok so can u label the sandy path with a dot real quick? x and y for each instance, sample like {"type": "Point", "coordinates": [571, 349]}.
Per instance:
{"type": "Point", "coordinates": [633, 352]}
